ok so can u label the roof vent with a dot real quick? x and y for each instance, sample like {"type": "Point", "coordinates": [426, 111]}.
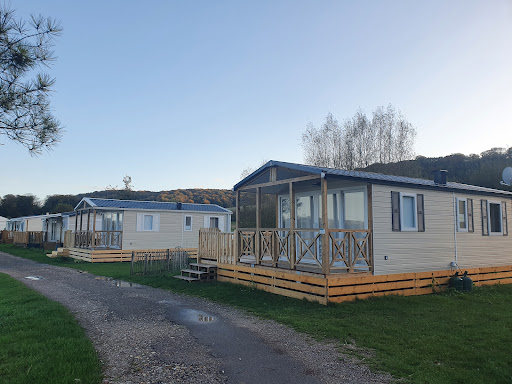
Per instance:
{"type": "Point", "coordinates": [179, 206]}
{"type": "Point", "coordinates": [440, 177]}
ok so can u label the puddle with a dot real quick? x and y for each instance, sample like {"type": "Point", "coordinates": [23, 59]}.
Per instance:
{"type": "Point", "coordinates": [119, 283]}
{"type": "Point", "coordinates": [197, 316]}
{"type": "Point", "coordinates": [33, 277]}
{"type": "Point", "coordinates": [125, 284]}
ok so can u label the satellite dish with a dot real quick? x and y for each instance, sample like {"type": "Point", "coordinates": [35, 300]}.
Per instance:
{"type": "Point", "coordinates": [507, 176]}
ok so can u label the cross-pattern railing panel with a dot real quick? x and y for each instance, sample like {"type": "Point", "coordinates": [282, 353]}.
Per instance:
{"type": "Point", "coordinates": [308, 248]}
{"type": "Point", "coordinates": [348, 250]}
{"type": "Point", "coordinates": [351, 249]}
{"type": "Point", "coordinates": [99, 239]}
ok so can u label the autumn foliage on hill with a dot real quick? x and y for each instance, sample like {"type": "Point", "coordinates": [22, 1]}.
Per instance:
{"type": "Point", "coordinates": [483, 170]}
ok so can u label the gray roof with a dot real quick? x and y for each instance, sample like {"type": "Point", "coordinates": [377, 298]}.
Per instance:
{"type": "Point", "coordinates": [153, 205]}
{"type": "Point", "coordinates": [377, 178]}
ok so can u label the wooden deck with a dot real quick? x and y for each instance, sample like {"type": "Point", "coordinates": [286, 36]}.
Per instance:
{"type": "Point", "coordinates": [114, 255]}
{"type": "Point", "coordinates": [347, 287]}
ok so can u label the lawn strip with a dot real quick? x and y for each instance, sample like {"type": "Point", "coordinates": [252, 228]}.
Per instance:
{"type": "Point", "coordinates": [40, 341]}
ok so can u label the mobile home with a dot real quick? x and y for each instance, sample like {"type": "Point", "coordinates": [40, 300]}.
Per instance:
{"type": "Point", "coordinates": [342, 234]}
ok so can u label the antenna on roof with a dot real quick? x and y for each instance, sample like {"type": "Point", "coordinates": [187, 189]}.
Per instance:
{"type": "Point", "coordinates": [506, 177]}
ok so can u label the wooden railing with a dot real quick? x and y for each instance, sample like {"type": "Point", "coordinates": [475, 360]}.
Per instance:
{"type": "Point", "coordinates": [217, 246]}
{"type": "Point", "coordinates": [28, 238]}
{"type": "Point", "coordinates": [99, 239]}
{"type": "Point", "coordinates": [348, 250]}
{"type": "Point", "coordinates": [69, 239]}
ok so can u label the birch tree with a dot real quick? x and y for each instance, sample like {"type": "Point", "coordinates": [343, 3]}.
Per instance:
{"type": "Point", "coordinates": [360, 141]}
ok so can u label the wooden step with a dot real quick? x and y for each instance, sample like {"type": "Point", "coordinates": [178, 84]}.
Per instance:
{"type": "Point", "coordinates": [206, 266]}
{"type": "Point", "coordinates": [186, 278]}
{"type": "Point", "coordinates": [193, 271]}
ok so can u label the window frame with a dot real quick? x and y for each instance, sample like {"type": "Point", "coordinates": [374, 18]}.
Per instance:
{"type": "Point", "coordinates": [489, 220]}
{"type": "Point", "coordinates": [466, 218]}
{"type": "Point", "coordinates": [185, 227]}
{"type": "Point", "coordinates": [403, 228]}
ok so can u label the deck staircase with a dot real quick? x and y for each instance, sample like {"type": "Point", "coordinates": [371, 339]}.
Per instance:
{"type": "Point", "coordinates": [198, 272]}
{"type": "Point", "coordinates": [59, 252]}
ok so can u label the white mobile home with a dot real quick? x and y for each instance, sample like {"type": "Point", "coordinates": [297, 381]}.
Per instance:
{"type": "Point", "coordinates": [132, 225]}
{"type": "Point", "coordinates": [3, 222]}
{"type": "Point", "coordinates": [26, 224]}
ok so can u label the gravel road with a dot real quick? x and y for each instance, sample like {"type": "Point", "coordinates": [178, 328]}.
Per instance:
{"type": "Point", "coordinates": [148, 335]}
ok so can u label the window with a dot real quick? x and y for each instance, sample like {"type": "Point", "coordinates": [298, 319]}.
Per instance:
{"type": "Point", "coordinates": [462, 215]}
{"type": "Point", "coordinates": [188, 223]}
{"type": "Point", "coordinates": [214, 222]}
{"type": "Point", "coordinates": [408, 212]}
{"type": "Point", "coordinates": [148, 222]}
{"type": "Point", "coordinates": [495, 215]}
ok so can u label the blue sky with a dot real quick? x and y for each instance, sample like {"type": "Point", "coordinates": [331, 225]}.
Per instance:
{"type": "Point", "coordinates": [185, 94]}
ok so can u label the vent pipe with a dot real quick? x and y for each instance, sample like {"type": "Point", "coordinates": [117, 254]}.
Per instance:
{"type": "Point", "coordinates": [179, 206]}
{"type": "Point", "coordinates": [440, 177]}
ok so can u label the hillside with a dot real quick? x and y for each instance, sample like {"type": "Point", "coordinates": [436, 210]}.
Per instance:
{"type": "Point", "coordinates": [483, 170]}
{"type": "Point", "coordinates": [26, 205]}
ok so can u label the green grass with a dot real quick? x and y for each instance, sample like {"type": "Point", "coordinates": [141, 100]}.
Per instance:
{"type": "Point", "coordinates": [441, 338]}
{"type": "Point", "coordinates": [40, 342]}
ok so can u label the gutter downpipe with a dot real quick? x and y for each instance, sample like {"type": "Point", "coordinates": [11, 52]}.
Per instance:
{"type": "Point", "coordinates": [455, 225]}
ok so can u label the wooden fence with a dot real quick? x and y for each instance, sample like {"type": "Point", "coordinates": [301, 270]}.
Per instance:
{"type": "Point", "coordinates": [216, 246]}
{"type": "Point", "coordinates": [158, 261]}
{"type": "Point", "coordinates": [28, 238]}
{"type": "Point", "coordinates": [6, 237]}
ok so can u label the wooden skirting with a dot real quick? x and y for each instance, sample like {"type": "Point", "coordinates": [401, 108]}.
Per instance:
{"type": "Point", "coordinates": [282, 282]}
{"type": "Point", "coordinates": [347, 287]}
{"type": "Point", "coordinates": [114, 255]}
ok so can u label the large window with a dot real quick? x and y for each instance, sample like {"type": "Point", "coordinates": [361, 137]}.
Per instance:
{"type": "Point", "coordinates": [408, 212]}
{"type": "Point", "coordinates": [462, 215]}
{"type": "Point", "coordinates": [495, 215]}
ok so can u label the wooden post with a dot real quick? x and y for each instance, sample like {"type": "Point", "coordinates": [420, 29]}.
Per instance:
{"type": "Point", "coordinates": [133, 260]}
{"type": "Point", "coordinates": [370, 226]}
{"type": "Point", "coordinates": [237, 249]}
{"type": "Point", "coordinates": [325, 226]}
{"type": "Point", "coordinates": [349, 252]}
{"type": "Point", "coordinates": [146, 263]}
{"type": "Point", "coordinates": [93, 228]}
{"type": "Point", "coordinates": [277, 211]}
{"type": "Point", "coordinates": [76, 230]}
{"type": "Point", "coordinates": [88, 229]}
{"type": "Point", "coordinates": [293, 256]}
{"type": "Point", "coordinates": [200, 248]}
{"type": "Point", "coordinates": [168, 259]}
{"type": "Point", "coordinates": [257, 240]}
